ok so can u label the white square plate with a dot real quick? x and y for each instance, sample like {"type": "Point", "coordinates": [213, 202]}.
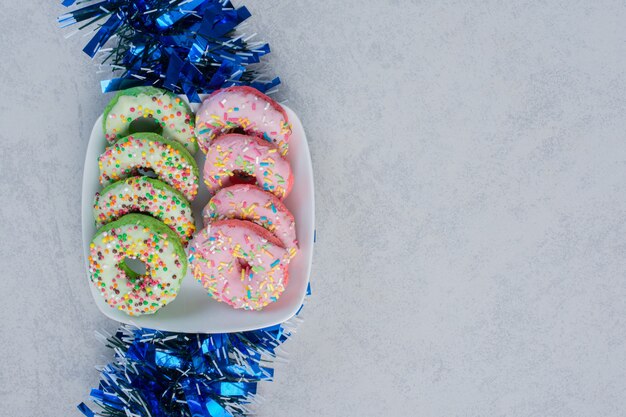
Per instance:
{"type": "Point", "coordinates": [193, 311]}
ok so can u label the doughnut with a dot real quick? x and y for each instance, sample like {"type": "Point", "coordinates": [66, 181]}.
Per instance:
{"type": "Point", "coordinates": [239, 263]}
{"type": "Point", "coordinates": [242, 108]}
{"type": "Point", "coordinates": [173, 116]}
{"type": "Point", "coordinates": [249, 202]}
{"type": "Point", "coordinates": [235, 158]}
{"type": "Point", "coordinates": [148, 196]}
{"type": "Point", "coordinates": [168, 159]}
{"type": "Point", "coordinates": [141, 237]}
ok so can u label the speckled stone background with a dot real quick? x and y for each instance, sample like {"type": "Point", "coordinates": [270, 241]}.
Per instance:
{"type": "Point", "coordinates": [470, 163]}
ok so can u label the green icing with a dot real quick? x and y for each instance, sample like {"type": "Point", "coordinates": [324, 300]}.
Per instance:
{"type": "Point", "coordinates": [148, 91]}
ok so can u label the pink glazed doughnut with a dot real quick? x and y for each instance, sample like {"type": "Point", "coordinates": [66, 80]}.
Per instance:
{"type": "Point", "coordinates": [234, 158]}
{"type": "Point", "coordinates": [239, 263]}
{"type": "Point", "coordinates": [243, 108]}
{"type": "Point", "coordinates": [249, 202]}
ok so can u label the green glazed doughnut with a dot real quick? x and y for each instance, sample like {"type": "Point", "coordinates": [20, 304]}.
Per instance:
{"type": "Point", "coordinates": [148, 196]}
{"type": "Point", "coordinates": [168, 159]}
{"type": "Point", "coordinates": [172, 115]}
{"type": "Point", "coordinates": [141, 237]}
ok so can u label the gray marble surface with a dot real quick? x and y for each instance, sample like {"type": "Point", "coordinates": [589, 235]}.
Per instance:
{"type": "Point", "coordinates": [471, 179]}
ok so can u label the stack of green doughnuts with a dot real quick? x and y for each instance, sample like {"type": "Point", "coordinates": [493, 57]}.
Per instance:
{"type": "Point", "coordinates": [143, 212]}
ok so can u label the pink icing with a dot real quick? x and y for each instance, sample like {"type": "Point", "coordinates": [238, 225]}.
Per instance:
{"type": "Point", "coordinates": [244, 108]}
{"type": "Point", "coordinates": [239, 263]}
{"type": "Point", "coordinates": [249, 202]}
{"type": "Point", "coordinates": [233, 154]}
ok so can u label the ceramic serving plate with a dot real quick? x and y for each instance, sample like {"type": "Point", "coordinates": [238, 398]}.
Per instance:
{"type": "Point", "coordinates": [193, 311]}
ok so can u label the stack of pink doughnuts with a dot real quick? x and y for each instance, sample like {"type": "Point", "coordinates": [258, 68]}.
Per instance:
{"type": "Point", "coordinates": [241, 256]}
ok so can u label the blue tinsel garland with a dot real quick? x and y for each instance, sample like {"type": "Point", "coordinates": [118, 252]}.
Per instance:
{"type": "Point", "coordinates": [162, 374]}
{"type": "Point", "coordinates": [188, 47]}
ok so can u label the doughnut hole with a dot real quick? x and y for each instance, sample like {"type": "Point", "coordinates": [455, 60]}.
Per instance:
{"type": "Point", "coordinates": [240, 130]}
{"type": "Point", "coordinates": [245, 266]}
{"type": "Point", "coordinates": [242, 177]}
{"type": "Point", "coordinates": [145, 124]}
{"type": "Point", "coordinates": [133, 267]}
{"type": "Point", "coordinates": [147, 172]}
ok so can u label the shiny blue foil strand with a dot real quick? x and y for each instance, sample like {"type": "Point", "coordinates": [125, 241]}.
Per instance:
{"type": "Point", "coordinates": [186, 46]}
{"type": "Point", "coordinates": [175, 374]}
